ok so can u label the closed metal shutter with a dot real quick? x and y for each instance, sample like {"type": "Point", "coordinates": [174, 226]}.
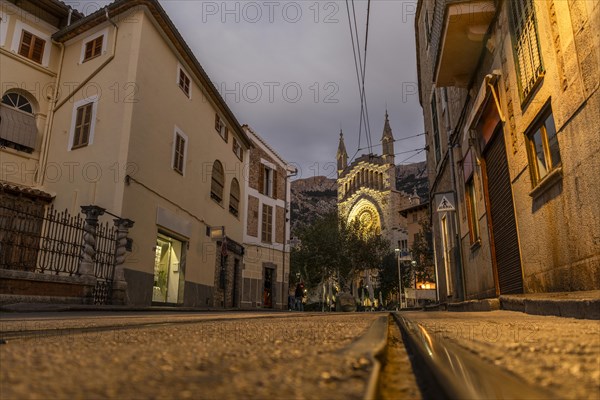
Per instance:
{"type": "Point", "coordinates": [504, 227]}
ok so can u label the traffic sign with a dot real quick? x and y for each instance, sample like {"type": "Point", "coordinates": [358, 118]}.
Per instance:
{"type": "Point", "coordinates": [445, 202]}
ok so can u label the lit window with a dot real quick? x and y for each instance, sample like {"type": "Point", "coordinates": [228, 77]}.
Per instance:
{"type": "Point", "coordinates": [184, 82]}
{"type": "Point", "coordinates": [93, 48]}
{"type": "Point", "coordinates": [221, 128]}
{"type": "Point", "coordinates": [179, 147]}
{"type": "Point", "coordinates": [526, 45]}
{"type": "Point", "coordinates": [32, 47]}
{"type": "Point", "coordinates": [544, 154]}
{"type": "Point", "coordinates": [237, 149]}
{"type": "Point", "coordinates": [234, 197]}
{"type": "Point", "coordinates": [217, 182]}
{"type": "Point", "coordinates": [83, 123]}
{"type": "Point", "coordinates": [267, 224]}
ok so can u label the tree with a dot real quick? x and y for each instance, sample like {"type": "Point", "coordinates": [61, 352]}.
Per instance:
{"type": "Point", "coordinates": [388, 276]}
{"type": "Point", "coordinates": [333, 248]}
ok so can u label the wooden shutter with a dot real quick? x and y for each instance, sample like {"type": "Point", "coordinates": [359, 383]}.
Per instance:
{"type": "Point", "coordinates": [274, 184]}
{"type": "Point", "coordinates": [38, 49]}
{"type": "Point", "coordinates": [261, 179]}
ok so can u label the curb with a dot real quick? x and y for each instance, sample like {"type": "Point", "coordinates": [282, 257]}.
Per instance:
{"type": "Point", "coordinates": [45, 307]}
{"type": "Point", "coordinates": [569, 308]}
{"type": "Point", "coordinates": [475, 305]}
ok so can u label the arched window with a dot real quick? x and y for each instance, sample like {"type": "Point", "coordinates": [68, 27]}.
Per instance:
{"type": "Point", "coordinates": [17, 122]}
{"type": "Point", "coordinates": [234, 197]}
{"type": "Point", "coordinates": [217, 182]}
{"type": "Point", "coordinates": [18, 101]}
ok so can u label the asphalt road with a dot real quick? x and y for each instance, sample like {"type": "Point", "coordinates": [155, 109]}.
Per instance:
{"type": "Point", "coordinates": [228, 356]}
{"type": "Point", "coordinates": [249, 355]}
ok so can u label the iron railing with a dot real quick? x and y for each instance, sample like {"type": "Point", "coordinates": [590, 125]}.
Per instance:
{"type": "Point", "coordinates": [43, 240]}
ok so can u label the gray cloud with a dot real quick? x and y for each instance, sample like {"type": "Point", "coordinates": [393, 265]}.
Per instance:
{"type": "Point", "coordinates": [260, 62]}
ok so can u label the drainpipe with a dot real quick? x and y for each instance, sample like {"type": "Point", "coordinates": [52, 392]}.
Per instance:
{"type": "Point", "coordinates": [41, 172]}
{"type": "Point", "coordinates": [70, 15]}
{"type": "Point", "coordinates": [97, 70]}
{"type": "Point", "coordinates": [457, 244]}
{"type": "Point", "coordinates": [52, 111]}
{"type": "Point", "coordinates": [285, 223]}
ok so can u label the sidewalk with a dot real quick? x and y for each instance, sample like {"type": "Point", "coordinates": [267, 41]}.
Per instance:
{"type": "Point", "coordinates": [581, 305]}
{"type": "Point", "coordinates": [50, 307]}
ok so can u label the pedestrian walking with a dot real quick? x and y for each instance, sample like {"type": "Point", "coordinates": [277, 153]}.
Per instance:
{"type": "Point", "coordinates": [299, 294]}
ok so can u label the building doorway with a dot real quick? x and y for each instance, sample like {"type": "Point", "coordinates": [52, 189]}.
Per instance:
{"type": "Point", "coordinates": [168, 274]}
{"type": "Point", "coordinates": [506, 252]}
{"type": "Point", "coordinates": [236, 283]}
{"type": "Point", "coordinates": [268, 288]}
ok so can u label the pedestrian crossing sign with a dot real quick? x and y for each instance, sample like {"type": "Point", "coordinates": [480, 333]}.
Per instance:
{"type": "Point", "coordinates": [445, 202]}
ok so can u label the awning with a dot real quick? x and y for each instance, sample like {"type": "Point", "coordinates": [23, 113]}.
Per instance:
{"type": "Point", "coordinates": [17, 126]}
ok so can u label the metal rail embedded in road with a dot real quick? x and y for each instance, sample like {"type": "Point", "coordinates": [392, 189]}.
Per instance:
{"type": "Point", "coordinates": [460, 374]}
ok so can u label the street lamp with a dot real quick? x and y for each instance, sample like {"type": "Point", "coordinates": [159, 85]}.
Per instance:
{"type": "Point", "coordinates": [399, 279]}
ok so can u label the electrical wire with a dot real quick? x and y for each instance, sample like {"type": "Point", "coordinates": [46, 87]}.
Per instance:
{"type": "Point", "coordinates": [360, 73]}
{"type": "Point", "coordinates": [396, 140]}
{"type": "Point", "coordinates": [356, 67]}
{"type": "Point", "coordinates": [361, 81]}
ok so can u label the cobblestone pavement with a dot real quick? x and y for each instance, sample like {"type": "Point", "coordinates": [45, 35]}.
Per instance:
{"type": "Point", "coordinates": [288, 356]}
{"type": "Point", "coordinates": [560, 354]}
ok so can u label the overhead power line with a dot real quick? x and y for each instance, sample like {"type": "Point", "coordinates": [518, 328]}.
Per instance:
{"type": "Point", "coordinates": [360, 71]}
{"type": "Point", "coordinates": [395, 140]}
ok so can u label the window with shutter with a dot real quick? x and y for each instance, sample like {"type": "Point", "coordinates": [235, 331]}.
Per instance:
{"type": "Point", "coordinates": [217, 182]}
{"type": "Point", "coordinates": [221, 128]}
{"type": "Point", "coordinates": [234, 197]}
{"type": "Point", "coordinates": [237, 150]}
{"type": "Point", "coordinates": [267, 176]}
{"type": "Point", "coordinates": [267, 224]}
{"type": "Point", "coordinates": [179, 153]}
{"type": "Point", "coordinates": [184, 82]}
{"type": "Point", "coordinates": [93, 48]}
{"type": "Point", "coordinates": [83, 122]}
{"type": "Point", "coordinates": [274, 184]}
{"type": "Point", "coordinates": [32, 47]}
{"type": "Point", "coordinates": [526, 46]}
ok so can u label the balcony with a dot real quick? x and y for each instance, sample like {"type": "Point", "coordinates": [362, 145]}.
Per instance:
{"type": "Point", "coordinates": [463, 31]}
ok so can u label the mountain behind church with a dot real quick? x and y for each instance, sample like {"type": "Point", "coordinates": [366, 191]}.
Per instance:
{"type": "Point", "coordinates": [316, 196]}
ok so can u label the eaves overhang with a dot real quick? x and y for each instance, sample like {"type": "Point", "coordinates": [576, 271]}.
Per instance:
{"type": "Point", "coordinates": [54, 12]}
{"type": "Point", "coordinates": [119, 7]}
{"type": "Point", "coordinates": [463, 33]}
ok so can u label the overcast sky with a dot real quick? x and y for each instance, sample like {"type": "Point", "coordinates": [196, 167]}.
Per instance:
{"type": "Point", "coordinates": [262, 54]}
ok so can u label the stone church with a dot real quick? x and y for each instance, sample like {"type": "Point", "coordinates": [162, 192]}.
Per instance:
{"type": "Point", "coordinates": [367, 190]}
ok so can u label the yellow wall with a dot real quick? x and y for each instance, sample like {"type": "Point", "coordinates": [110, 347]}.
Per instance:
{"type": "Point", "coordinates": [36, 81]}
{"type": "Point", "coordinates": [139, 107]}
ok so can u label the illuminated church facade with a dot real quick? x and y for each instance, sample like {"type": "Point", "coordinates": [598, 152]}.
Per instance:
{"type": "Point", "coordinates": [367, 190]}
